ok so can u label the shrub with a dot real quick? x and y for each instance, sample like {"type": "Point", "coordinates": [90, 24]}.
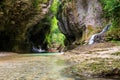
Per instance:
{"type": "Point", "coordinates": [112, 14]}
{"type": "Point", "coordinates": [113, 34]}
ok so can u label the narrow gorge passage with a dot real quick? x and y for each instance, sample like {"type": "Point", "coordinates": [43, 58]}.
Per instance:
{"type": "Point", "coordinates": [59, 40]}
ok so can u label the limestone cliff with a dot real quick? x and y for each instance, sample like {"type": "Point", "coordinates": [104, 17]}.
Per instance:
{"type": "Point", "coordinates": [26, 23]}
{"type": "Point", "coordinates": [78, 19]}
{"type": "Point", "coordinates": [17, 18]}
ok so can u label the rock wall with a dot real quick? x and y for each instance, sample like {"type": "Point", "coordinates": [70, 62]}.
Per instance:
{"type": "Point", "coordinates": [24, 23]}
{"type": "Point", "coordinates": [78, 19]}
{"type": "Point", "coordinates": [17, 19]}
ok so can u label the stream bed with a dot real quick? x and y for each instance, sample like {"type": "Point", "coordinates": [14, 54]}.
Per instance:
{"type": "Point", "coordinates": [45, 66]}
{"type": "Point", "coordinates": [32, 67]}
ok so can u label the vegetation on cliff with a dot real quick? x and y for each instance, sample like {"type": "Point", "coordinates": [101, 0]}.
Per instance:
{"type": "Point", "coordinates": [111, 13]}
{"type": "Point", "coordinates": [22, 22]}
{"type": "Point", "coordinates": [55, 36]}
{"type": "Point", "coordinates": [44, 24]}
{"type": "Point", "coordinates": [17, 18]}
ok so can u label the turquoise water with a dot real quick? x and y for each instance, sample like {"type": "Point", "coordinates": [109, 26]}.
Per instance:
{"type": "Point", "coordinates": [45, 54]}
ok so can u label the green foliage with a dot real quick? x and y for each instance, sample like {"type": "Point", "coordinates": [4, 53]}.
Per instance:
{"type": "Point", "coordinates": [117, 53]}
{"type": "Point", "coordinates": [111, 8]}
{"type": "Point", "coordinates": [56, 36]}
{"type": "Point", "coordinates": [113, 34]}
{"type": "Point", "coordinates": [35, 3]}
{"type": "Point", "coordinates": [112, 14]}
{"type": "Point", "coordinates": [54, 6]}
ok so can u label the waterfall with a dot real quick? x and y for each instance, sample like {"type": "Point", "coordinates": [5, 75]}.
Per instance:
{"type": "Point", "coordinates": [92, 39]}
{"type": "Point", "coordinates": [105, 29]}
{"type": "Point", "coordinates": [34, 49]}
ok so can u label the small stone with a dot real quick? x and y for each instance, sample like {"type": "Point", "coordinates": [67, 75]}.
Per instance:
{"type": "Point", "coordinates": [13, 22]}
{"type": "Point", "coordinates": [1, 13]}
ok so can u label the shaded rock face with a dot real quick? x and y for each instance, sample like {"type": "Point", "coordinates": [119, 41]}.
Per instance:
{"type": "Point", "coordinates": [39, 33]}
{"type": "Point", "coordinates": [23, 22]}
{"type": "Point", "coordinates": [76, 17]}
{"type": "Point", "coordinates": [17, 19]}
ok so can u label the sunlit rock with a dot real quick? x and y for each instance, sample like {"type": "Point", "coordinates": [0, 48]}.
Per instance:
{"type": "Point", "coordinates": [75, 16]}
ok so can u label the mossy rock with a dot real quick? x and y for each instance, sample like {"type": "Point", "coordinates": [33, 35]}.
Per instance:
{"type": "Point", "coordinates": [107, 68]}
{"type": "Point", "coordinates": [17, 18]}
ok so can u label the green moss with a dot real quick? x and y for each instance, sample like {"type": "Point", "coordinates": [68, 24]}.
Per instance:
{"type": "Point", "coordinates": [117, 53]}
{"type": "Point", "coordinates": [94, 68]}
{"type": "Point", "coordinates": [113, 34]}
{"type": "Point", "coordinates": [116, 42]}
{"type": "Point", "coordinates": [60, 62]}
{"type": "Point", "coordinates": [36, 3]}
{"type": "Point", "coordinates": [16, 19]}
{"type": "Point", "coordinates": [44, 1]}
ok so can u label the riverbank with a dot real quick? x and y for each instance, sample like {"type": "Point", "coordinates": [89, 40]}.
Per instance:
{"type": "Point", "coordinates": [98, 60]}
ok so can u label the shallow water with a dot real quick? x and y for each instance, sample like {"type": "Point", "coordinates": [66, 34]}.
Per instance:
{"type": "Point", "coordinates": [45, 66]}
{"type": "Point", "coordinates": [32, 67]}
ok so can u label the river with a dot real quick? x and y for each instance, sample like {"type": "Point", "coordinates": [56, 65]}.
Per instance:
{"type": "Point", "coordinates": [36, 67]}
{"type": "Point", "coordinates": [32, 67]}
